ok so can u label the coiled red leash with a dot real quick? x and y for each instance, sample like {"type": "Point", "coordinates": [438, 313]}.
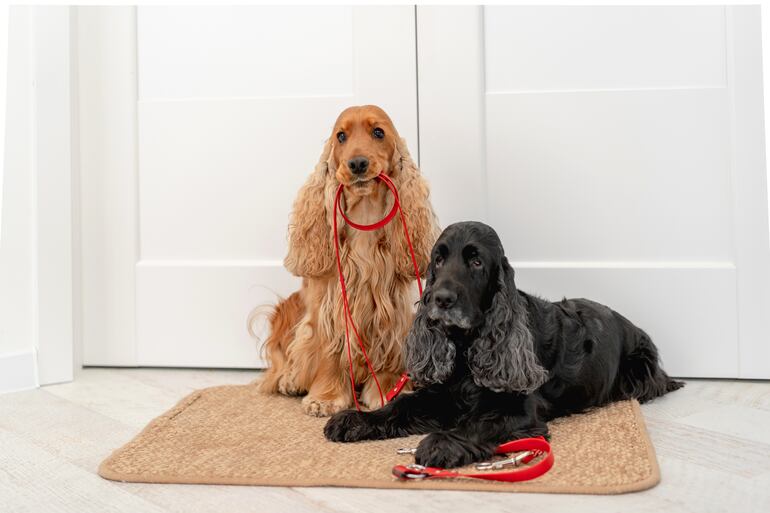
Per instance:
{"type": "Point", "coordinates": [528, 449]}
{"type": "Point", "coordinates": [348, 317]}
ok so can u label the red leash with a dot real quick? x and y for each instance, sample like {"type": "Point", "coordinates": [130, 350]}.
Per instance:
{"type": "Point", "coordinates": [529, 449]}
{"type": "Point", "coordinates": [348, 317]}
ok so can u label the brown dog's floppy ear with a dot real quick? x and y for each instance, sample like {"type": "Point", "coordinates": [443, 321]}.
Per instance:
{"type": "Point", "coordinates": [310, 235]}
{"type": "Point", "coordinates": [503, 358]}
{"type": "Point", "coordinates": [423, 227]}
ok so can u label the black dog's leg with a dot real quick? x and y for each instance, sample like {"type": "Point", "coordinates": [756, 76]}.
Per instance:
{"type": "Point", "coordinates": [427, 409]}
{"type": "Point", "coordinates": [476, 439]}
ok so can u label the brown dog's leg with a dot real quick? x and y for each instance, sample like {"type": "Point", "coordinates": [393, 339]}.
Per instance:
{"type": "Point", "coordinates": [313, 357]}
{"type": "Point", "coordinates": [283, 322]}
{"type": "Point", "coordinates": [330, 391]}
{"type": "Point", "coordinates": [370, 396]}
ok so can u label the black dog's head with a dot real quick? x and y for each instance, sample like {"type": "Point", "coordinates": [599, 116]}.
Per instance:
{"type": "Point", "coordinates": [470, 294]}
{"type": "Point", "coordinates": [466, 265]}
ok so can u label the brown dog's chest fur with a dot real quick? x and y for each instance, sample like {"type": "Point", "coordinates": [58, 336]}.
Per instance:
{"type": "Point", "coordinates": [380, 299]}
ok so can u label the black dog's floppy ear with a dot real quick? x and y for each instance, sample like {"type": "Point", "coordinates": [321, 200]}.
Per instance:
{"type": "Point", "coordinates": [503, 358]}
{"type": "Point", "coordinates": [428, 355]}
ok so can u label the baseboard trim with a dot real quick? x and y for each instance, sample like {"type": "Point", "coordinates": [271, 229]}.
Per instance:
{"type": "Point", "coordinates": [18, 371]}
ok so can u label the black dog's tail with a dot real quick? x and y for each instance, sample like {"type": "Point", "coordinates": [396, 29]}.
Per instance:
{"type": "Point", "coordinates": [640, 374]}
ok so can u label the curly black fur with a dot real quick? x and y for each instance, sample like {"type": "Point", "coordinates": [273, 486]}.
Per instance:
{"type": "Point", "coordinates": [492, 363]}
{"type": "Point", "coordinates": [428, 354]}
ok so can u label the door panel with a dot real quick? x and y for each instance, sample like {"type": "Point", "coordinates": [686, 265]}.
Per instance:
{"type": "Point", "coordinates": [217, 178]}
{"type": "Point", "coordinates": [611, 176]}
{"type": "Point", "coordinates": [689, 310]}
{"type": "Point", "coordinates": [590, 48]}
{"type": "Point", "coordinates": [247, 52]}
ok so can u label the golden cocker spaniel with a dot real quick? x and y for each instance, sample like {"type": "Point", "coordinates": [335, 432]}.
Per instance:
{"type": "Point", "coordinates": [306, 347]}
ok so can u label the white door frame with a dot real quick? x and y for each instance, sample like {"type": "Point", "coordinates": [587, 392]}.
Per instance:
{"type": "Point", "coordinates": [37, 261]}
{"type": "Point", "coordinates": [108, 182]}
{"type": "Point", "coordinates": [750, 201]}
{"type": "Point", "coordinates": [452, 38]}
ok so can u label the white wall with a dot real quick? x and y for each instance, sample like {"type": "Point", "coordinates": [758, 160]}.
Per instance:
{"type": "Point", "coordinates": [3, 72]}
{"type": "Point", "coordinates": [17, 305]}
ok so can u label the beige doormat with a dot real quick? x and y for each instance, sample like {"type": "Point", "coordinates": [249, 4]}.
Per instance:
{"type": "Point", "coordinates": [237, 435]}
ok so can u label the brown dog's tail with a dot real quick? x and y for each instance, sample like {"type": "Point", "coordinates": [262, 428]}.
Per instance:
{"type": "Point", "coordinates": [282, 320]}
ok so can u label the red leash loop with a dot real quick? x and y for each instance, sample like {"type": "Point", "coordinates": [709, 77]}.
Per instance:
{"type": "Point", "coordinates": [533, 448]}
{"type": "Point", "coordinates": [348, 317]}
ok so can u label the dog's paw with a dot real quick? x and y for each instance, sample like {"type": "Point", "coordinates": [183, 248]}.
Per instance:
{"type": "Point", "coordinates": [321, 407]}
{"type": "Point", "coordinates": [370, 400]}
{"type": "Point", "coordinates": [288, 386]}
{"type": "Point", "coordinates": [370, 395]}
{"type": "Point", "coordinates": [348, 426]}
{"type": "Point", "coordinates": [445, 450]}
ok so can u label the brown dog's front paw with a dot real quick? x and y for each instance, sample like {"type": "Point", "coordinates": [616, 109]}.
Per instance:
{"type": "Point", "coordinates": [321, 407]}
{"type": "Point", "coordinates": [287, 386]}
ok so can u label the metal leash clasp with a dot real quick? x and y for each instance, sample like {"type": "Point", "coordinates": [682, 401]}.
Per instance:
{"type": "Point", "coordinates": [415, 471]}
{"type": "Point", "coordinates": [411, 471]}
{"type": "Point", "coordinates": [513, 461]}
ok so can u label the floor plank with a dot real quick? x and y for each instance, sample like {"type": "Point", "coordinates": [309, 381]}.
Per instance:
{"type": "Point", "coordinates": [733, 420]}
{"type": "Point", "coordinates": [34, 480]}
{"type": "Point", "coordinates": [66, 430]}
{"type": "Point", "coordinates": [709, 449]}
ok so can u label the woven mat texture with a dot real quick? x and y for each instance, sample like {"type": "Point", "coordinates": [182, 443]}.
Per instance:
{"type": "Point", "coordinates": [237, 435]}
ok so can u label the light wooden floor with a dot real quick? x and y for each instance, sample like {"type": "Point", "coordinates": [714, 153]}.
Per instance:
{"type": "Point", "coordinates": [712, 439]}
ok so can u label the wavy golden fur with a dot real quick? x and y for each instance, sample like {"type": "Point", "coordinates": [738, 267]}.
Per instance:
{"type": "Point", "coordinates": [306, 346]}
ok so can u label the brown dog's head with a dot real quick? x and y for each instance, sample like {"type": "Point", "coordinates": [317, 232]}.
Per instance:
{"type": "Point", "coordinates": [364, 145]}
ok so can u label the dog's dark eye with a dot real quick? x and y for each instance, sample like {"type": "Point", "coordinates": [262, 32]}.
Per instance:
{"type": "Point", "coordinates": [439, 260]}
{"type": "Point", "coordinates": [476, 262]}
{"type": "Point", "coordinates": [379, 133]}
{"type": "Point", "coordinates": [341, 137]}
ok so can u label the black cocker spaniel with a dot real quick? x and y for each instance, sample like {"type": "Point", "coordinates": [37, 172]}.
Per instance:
{"type": "Point", "coordinates": [491, 363]}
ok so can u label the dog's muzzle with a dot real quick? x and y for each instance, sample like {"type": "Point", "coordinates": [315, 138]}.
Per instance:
{"type": "Point", "coordinates": [448, 318]}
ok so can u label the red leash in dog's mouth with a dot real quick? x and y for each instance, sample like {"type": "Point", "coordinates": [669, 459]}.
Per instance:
{"type": "Point", "coordinates": [346, 306]}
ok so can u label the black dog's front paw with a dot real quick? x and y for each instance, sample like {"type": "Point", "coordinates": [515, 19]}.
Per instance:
{"type": "Point", "coordinates": [447, 451]}
{"type": "Point", "coordinates": [349, 426]}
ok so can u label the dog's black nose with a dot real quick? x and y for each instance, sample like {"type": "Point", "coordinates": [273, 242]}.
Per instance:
{"type": "Point", "coordinates": [444, 298]}
{"type": "Point", "coordinates": [358, 165]}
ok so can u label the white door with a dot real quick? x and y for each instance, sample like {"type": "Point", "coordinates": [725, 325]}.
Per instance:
{"type": "Point", "coordinates": [618, 151]}
{"type": "Point", "coordinates": [198, 126]}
